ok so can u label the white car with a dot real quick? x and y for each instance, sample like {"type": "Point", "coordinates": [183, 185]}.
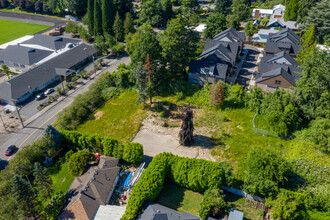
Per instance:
{"type": "Point", "coordinates": [48, 91]}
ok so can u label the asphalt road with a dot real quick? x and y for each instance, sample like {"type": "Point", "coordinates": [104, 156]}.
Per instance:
{"type": "Point", "coordinates": [250, 63]}
{"type": "Point", "coordinates": [34, 130]}
{"type": "Point", "coordinates": [30, 18]}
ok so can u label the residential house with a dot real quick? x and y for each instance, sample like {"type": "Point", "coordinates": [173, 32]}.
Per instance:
{"type": "Point", "coordinates": [276, 12]}
{"type": "Point", "coordinates": [284, 40]}
{"type": "Point", "coordinates": [154, 211]}
{"type": "Point", "coordinates": [218, 59]}
{"type": "Point", "coordinates": [262, 35]}
{"type": "Point", "coordinates": [91, 190]}
{"type": "Point", "coordinates": [277, 71]}
{"type": "Point", "coordinates": [281, 23]}
{"type": "Point", "coordinates": [22, 86]}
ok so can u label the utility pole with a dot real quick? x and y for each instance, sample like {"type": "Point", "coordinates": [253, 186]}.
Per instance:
{"type": "Point", "coordinates": [19, 115]}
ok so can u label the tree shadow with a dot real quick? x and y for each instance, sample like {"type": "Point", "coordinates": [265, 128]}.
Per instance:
{"type": "Point", "coordinates": [171, 195]}
{"type": "Point", "coordinates": [3, 164]}
{"type": "Point", "coordinates": [202, 141]}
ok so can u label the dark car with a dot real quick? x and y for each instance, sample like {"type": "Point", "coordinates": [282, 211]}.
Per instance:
{"type": "Point", "coordinates": [40, 96]}
{"type": "Point", "coordinates": [10, 150]}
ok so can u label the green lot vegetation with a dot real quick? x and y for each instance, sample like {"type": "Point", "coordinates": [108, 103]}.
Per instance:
{"type": "Point", "coordinates": [61, 177]}
{"type": "Point", "coordinates": [121, 118]}
{"type": "Point", "coordinates": [179, 198]}
{"type": "Point", "coordinates": [11, 30]}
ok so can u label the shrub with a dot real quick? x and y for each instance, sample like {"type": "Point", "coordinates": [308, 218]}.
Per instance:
{"type": "Point", "coordinates": [214, 202]}
{"type": "Point", "coordinates": [193, 174]}
{"type": "Point", "coordinates": [133, 153]}
{"type": "Point", "coordinates": [78, 162]}
{"type": "Point", "coordinates": [68, 155]}
{"type": "Point", "coordinates": [74, 79]}
{"type": "Point", "coordinates": [319, 134]}
{"type": "Point", "coordinates": [54, 206]}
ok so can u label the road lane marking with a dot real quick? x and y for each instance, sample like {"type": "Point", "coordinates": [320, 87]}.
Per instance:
{"type": "Point", "coordinates": [41, 126]}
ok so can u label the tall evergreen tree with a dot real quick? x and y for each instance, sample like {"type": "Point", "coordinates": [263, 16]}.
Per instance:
{"type": "Point", "coordinates": [291, 11]}
{"type": "Point", "coordinates": [90, 16]}
{"type": "Point", "coordinates": [21, 191]}
{"type": "Point", "coordinates": [123, 6]}
{"type": "Point", "coordinates": [108, 15]}
{"type": "Point", "coordinates": [305, 7]}
{"type": "Point", "coordinates": [308, 42]}
{"type": "Point", "coordinates": [97, 18]}
{"type": "Point", "coordinates": [118, 28]}
{"type": "Point", "coordinates": [319, 16]}
{"type": "Point", "coordinates": [141, 83]}
{"type": "Point", "coordinates": [240, 9]}
{"type": "Point", "coordinates": [128, 24]}
{"type": "Point", "coordinates": [178, 45]}
{"type": "Point", "coordinates": [217, 94]}
{"type": "Point", "coordinates": [42, 180]}
{"type": "Point", "coordinates": [4, 3]}
{"type": "Point", "coordinates": [187, 128]}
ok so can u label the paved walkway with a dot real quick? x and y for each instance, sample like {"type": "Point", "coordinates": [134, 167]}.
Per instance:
{"type": "Point", "coordinates": [232, 79]}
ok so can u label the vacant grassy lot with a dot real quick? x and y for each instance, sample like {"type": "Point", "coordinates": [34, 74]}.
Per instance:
{"type": "Point", "coordinates": [11, 30]}
{"type": "Point", "coordinates": [119, 118]}
{"type": "Point", "coordinates": [61, 177]}
{"type": "Point", "coordinates": [180, 199]}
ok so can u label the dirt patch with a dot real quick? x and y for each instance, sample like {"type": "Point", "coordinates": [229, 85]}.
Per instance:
{"type": "Point", "coordinates": [156, 139]}
{"type": "Point", "coordinates": [98, 115]}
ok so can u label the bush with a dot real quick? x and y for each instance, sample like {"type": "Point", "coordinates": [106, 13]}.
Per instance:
{"type": "Point", "coordinates": [319, 134]}
{"type": "Point", "coordinates": [214, 202]}
{"type": "Point", "coordinates": [74, 79]}
{"type": "Point", "coordinates": [68, 155]}
{"type": "Point", "coordinates": [54, 206]}
{"type": "Point", "coordinates": [133, 153]}
{"type": "Point", "coordinates": [194, 174]}
{"type": "Point", "coordinates": [78, 162]}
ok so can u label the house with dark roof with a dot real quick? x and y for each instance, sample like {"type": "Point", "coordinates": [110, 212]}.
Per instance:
{"type": "Point", "coordinates": [22, 86]}
{"type": "Point", "coordinates": [284, 40]}
{"type": "Point", "coordinates": [20, 59]}
{"type": "Point", "coordinates": [218, 58]}
{"type": "Point", "coordinates": [91, 190]}
{"type": "Point", "coordinates": [281, 23]}
{"type": "Point", "coordinates": [154, 211]}
{"type": "Point", "coordinates": [277, 71]}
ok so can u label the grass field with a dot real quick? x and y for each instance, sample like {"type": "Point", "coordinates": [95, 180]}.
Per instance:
{"type": "Point", "coordinates": [121, 118]}
{"type": "Point", "coordinates": [11, 30]}
{"type": "Point", "coordinates": [61, 177]}
{"type": "Point", "coordinates": [180, 199]}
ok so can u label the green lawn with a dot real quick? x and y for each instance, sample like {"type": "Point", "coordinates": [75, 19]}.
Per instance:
{"type": "Point", "coordinates": [11, 30]}
{"type": "Point", "coordinates": [61, 177]}
{"type": "Point", "coordinates": [121, 118]}
{"type": "Point", "coordinates": [180, 199]}
{"type": "Point", "coordinates": [237, 202]}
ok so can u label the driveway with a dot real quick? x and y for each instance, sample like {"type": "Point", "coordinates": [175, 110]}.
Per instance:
{"type": "Point", "coordinates": [249, 66]}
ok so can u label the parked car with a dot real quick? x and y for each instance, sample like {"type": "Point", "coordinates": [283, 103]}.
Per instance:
{"type": "Point", "coordinates": [40, 96]}
{"type": "Point", "coordinates": [49, 91]}
{"type": "Point", "coordinates": [10, 150]}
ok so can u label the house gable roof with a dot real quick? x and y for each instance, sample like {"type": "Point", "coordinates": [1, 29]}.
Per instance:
{"type": "Point", "coordinates": [285, 38]}
{"type": "Point", "coordinates": [231, 34]}
{"type": "Point", "coordinates": [50, 42]}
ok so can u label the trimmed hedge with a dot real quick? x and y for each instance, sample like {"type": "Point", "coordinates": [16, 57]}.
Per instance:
{"type": "Point", "coordinates": [78, 162]}
{"type": "Point", "coordinates": [132, 152]}
{"type": "Point", "coordinates": [194, 174]}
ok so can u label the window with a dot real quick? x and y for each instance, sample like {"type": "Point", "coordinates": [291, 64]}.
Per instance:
{"type": "Point", "coordinates": [277, 82]}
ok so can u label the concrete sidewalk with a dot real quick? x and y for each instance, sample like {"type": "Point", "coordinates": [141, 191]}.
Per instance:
{"type": "Point", "coordinates": [232, 79]}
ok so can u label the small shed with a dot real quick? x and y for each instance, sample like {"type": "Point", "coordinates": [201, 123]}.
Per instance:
{"type": "Point", "coordinates": [235, 215]}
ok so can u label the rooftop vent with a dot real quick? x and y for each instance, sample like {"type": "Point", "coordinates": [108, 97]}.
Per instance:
{"type": "Point", "coordinates": [32, 50]}
{"type": "Point", "coordinates": [158, 211]}
{"type": "Point", "coordinates": [59, 39]}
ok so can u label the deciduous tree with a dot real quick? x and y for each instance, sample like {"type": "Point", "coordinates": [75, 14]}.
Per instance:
{"type": "Point", "coordinates": [221, 7]}
{"type": "Point", "coordinates": [215, 24]}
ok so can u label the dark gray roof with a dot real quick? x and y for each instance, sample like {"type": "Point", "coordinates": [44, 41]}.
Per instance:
{"type": "Point", "coordinates": [218, 50]}
{"type": "Point", "coordinates": [279, 64]}
{"type": "Point", "coordinates": [51, 42]}
{"type": "Point", "coordinates": [97, 191]}
{"type": "Point", "coordinates": [285, 38]}
{"type": "Point", "coordinates": [218, 69]}
{"type": "Point", "coordinates": [231, 34]}
{"type": "Point", "coordinates": [63, 71]}
{"type": "Point", "coordinates": [154, 211]}
{"type": "Point", "coordinates": [23, 55]}
{"type": "Point", "coordinates": [19, 85]}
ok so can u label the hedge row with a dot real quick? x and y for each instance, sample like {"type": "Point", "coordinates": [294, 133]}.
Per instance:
{"type": "Point", "coordinates": [132, 152]}
{"type": "Point", "coordinates": [193, 174]}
